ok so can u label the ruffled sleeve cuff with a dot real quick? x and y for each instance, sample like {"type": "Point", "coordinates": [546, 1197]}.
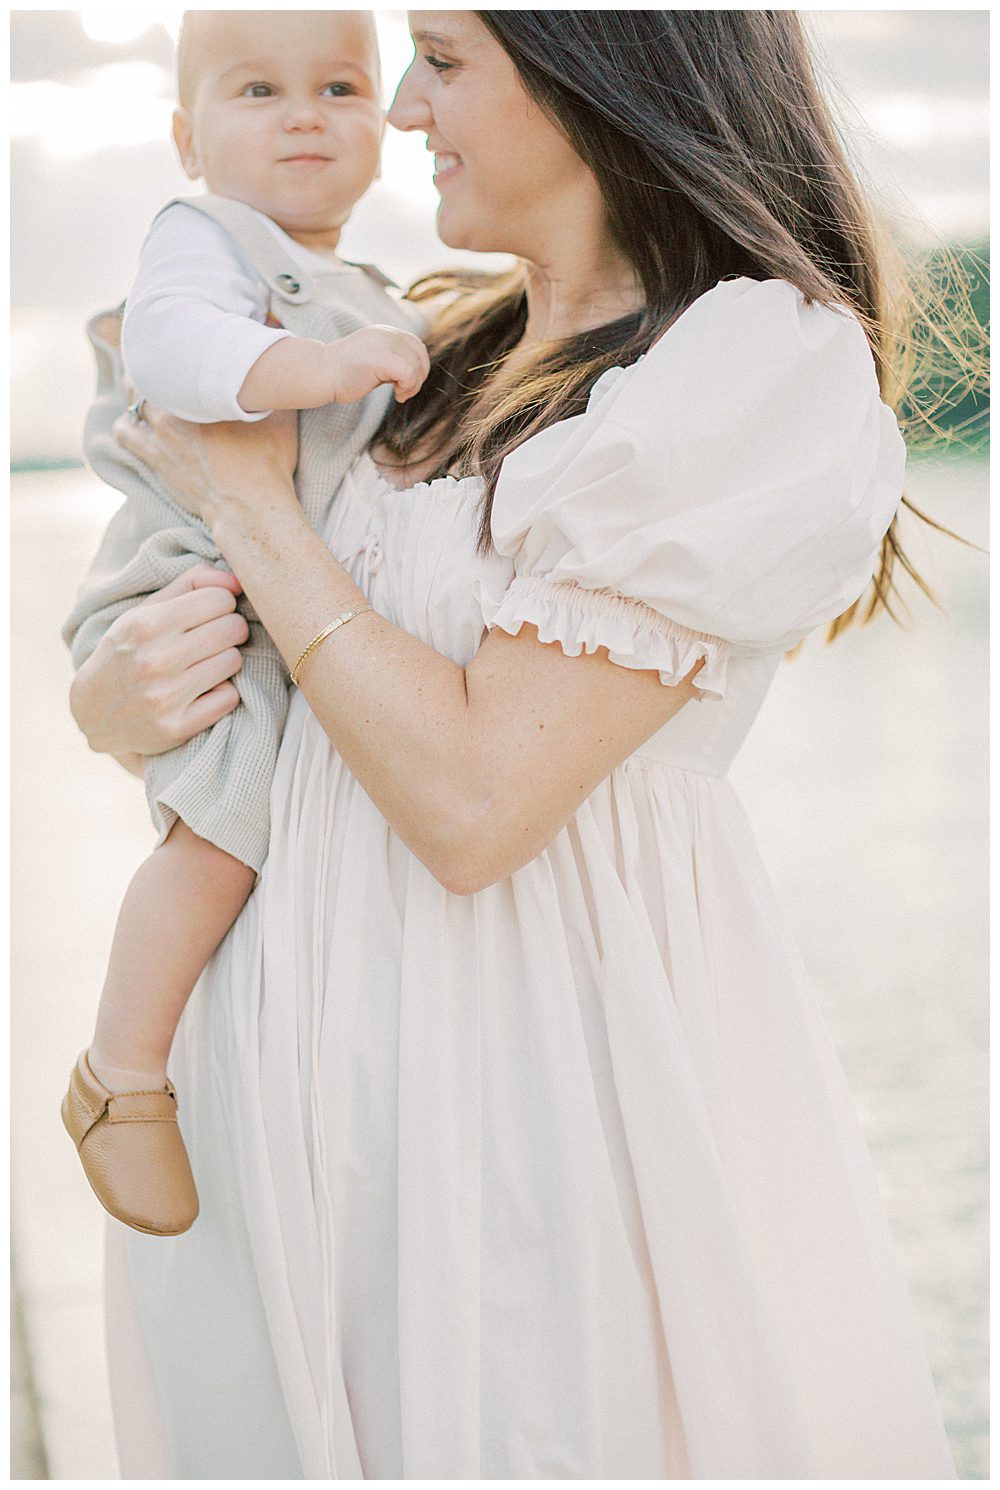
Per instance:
{"type": "Point", "coordinates": [634, 634]}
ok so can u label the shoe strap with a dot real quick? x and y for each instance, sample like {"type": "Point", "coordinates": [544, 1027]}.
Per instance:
{"type": "Point", "coordinates": [87, 1102]}
{"type": "Point", "coordinates": [142, 1107]}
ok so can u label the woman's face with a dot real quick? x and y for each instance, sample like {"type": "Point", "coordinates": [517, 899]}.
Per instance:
{"type": "Point", "coordinates": [508, 179]}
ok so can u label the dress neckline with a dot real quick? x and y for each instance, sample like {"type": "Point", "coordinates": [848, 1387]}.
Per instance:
{"type": "Point", "coordinates": [366, 466]}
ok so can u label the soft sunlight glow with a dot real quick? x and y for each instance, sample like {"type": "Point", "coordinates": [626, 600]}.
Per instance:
{"type": "Point", "coordinates": [122, 26]}
{"type": "Point", "coordinates": [912, 121]}
{"type": "Point", "coordinates": [122, 104]}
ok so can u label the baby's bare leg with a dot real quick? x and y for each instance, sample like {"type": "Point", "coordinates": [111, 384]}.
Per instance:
{"type": "Point", "coordinates": [179, 906]}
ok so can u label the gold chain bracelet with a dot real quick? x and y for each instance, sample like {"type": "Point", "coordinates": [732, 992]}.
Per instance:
{"type": "Point", "coordinates": [327, 631]}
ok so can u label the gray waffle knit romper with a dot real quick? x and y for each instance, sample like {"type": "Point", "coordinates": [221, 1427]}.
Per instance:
{"type": "Point", "coordinates": [219, 783]}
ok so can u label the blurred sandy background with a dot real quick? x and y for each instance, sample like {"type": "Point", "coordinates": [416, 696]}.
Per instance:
{"type": "Point", "coordinates": [865, 777]}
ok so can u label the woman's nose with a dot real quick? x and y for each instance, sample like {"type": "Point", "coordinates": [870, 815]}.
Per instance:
{"type": "Point", "coordinates": [410, 108]}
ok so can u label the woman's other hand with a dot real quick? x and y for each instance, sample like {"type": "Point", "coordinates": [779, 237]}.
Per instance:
{"type": "Point", "coordinates": [161, 673]}
{"type": "Point", "coordinates": [208, 467]}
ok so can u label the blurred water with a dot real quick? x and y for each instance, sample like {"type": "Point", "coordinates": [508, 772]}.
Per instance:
{"type": "Point", "coordinates": [865, 779]}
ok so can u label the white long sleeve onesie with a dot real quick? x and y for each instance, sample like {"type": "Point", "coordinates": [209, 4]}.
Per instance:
{"type": "Point", "coordinates": [195, 318]}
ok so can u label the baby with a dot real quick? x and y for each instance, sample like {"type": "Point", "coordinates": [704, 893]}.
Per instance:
{"type": "Point", "coordinates": [280, 114]}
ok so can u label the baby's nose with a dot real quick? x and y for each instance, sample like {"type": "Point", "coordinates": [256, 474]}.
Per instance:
{"type": "Point", "coordinates": [303, 116]}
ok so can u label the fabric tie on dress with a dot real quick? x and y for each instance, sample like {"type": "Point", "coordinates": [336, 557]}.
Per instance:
{"type": "Point", "coordinates": [370, 554]}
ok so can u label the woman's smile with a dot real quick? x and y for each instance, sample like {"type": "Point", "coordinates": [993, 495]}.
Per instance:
{"type": "Point", "coordinates": [445, 166]}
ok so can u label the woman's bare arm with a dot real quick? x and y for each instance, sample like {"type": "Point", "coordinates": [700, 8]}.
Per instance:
{"type": "Point", "coordinates": [476, 768]}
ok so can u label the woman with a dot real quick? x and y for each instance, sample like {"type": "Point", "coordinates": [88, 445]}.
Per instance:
{"type": "Point", "coordinates": [524, 1151]}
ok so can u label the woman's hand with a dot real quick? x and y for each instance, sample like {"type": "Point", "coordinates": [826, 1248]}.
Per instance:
{"type": "Point", "coordinates": [210, 469]}
{"type": "Point", "coordinates": [161, 672]}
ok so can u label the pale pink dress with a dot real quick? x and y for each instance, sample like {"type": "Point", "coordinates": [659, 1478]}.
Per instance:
{"type": "Point", "coordinates": [563, 1179]}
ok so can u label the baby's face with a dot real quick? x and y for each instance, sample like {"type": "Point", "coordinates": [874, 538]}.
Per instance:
{"type": "Point", "coordinates": [283, 112]}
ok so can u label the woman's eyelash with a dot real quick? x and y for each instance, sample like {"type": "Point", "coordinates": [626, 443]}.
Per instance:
{"type": "Point", "coordinates": [436, 63]}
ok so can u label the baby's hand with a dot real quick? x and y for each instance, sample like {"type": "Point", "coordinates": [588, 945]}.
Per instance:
{"type": "Point", "coordinates": [366, 359]}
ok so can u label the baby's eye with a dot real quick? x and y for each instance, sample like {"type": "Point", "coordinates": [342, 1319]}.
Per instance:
{"type": "Point", "coordinates": [258, 90]}
{"type": "Point", "coordinates": [338, 90]}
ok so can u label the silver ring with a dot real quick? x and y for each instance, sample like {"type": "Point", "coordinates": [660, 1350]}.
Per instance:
{"type": "Point", "coordinates": [135, 410]}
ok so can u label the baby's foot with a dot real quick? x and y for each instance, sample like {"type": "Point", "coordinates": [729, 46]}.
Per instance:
{"type": "Point", "coordinates": [132, 1151]}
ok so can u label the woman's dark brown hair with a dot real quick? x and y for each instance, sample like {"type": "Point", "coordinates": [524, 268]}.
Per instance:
{"type": "Point", "coordinates": [716, 155]}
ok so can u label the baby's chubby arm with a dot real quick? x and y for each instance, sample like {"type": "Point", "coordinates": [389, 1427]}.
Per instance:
{"type": "Point", "coordinates": [300, 373]}
{"type": "Point", "coordinates": [195, 341]}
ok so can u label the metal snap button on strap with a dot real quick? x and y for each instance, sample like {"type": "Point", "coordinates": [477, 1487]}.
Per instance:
{"type": "Point", "coordinates": [289, 284]}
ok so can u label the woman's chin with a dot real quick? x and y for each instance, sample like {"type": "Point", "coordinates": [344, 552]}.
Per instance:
{"type": "Point", "coordinates": [456, 233]}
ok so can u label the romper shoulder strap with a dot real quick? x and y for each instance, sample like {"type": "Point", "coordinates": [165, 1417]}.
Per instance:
{"type": "Point", "coordinates": [374, 273]}
{"type": "Point", "coordinates": [258, 245]}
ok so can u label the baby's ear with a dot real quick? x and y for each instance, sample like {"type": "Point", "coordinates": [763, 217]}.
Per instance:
{"type": "Point", "coordinates": [183, 131]}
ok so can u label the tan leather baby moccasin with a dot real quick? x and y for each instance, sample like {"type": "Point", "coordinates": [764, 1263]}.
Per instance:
{"type": "Point", "coordinates": [132, 1152]}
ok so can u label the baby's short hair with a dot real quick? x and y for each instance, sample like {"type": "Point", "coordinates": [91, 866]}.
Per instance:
{"type": "Point", "coordinates": [193, 27]}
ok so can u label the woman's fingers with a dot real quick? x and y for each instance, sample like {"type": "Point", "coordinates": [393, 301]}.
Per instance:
{"type": "Point", "coordinates": [198, 577]}
{"type": "Point", "coordinates": [203, 677]}
{"type": "Point", "coordinates": [161, 672]}
{"type": "Point", "coordinates": [157, 439]}
{"type": "Point", "coordinates": [208, 708]}
{"type": "Point", "coordinates": [185, 648]}
{"type": "Point", "coordinates": [163, 656]}
{"type": "Point", "coordinates": [198, 607]}
{"type": "Point", "coordinates": [220, 634]}
{"type": "Point", "coordinates": [201, 465]}
{"type": "Point", "coordinates": [177, 615]}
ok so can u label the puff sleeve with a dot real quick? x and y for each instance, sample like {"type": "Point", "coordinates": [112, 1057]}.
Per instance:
{"type": "Point", "coordinates": [726, 493]}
